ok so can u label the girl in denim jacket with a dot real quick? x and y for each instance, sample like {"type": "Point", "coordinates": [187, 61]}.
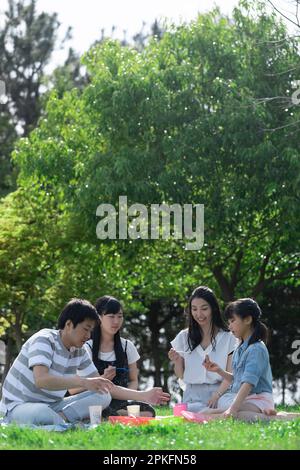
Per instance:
{"type": "Point", "coordinates": [250, 394]}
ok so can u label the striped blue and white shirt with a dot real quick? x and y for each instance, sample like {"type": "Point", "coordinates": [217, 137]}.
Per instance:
{"type": "Point", "coordinates": [44, 348]}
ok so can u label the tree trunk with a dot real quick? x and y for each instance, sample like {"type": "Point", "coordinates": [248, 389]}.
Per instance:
{"type": "Point", "coordinates": [166, 376]}
{"type": "Point", "coordinates": [283, 381]}
{"type": "Point", "coordinates": [153, 323]}
{"type": "Point", "coordinates": [18, 337]}
{"type": "Point", "coordinates": [226, 288]}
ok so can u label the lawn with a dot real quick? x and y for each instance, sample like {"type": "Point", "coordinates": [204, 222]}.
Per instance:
{"type": "Point", "coordinates": [168, 435]}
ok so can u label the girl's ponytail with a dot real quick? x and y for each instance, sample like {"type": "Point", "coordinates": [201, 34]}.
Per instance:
{"type": "Point", "coordinates": [260, 333]}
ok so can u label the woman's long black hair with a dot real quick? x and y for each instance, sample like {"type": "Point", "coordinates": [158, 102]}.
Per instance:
{"type": "Point", "coordinates": [108, 305]}
{"type": "Point", "coordinates": [195, 334]}
{"type": "Point", "coordinates": [248, 307]}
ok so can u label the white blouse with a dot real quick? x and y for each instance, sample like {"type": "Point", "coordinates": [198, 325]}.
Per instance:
{"type": "Point", "coordinates": [131, 351]}
{"type": "Point", "coordinates": [194, 371]}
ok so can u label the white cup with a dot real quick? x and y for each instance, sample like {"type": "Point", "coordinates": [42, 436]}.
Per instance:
{"type": "Point", "coordinates": [95, 414]}
{"type": "Point", "coordinates": [133, 410]}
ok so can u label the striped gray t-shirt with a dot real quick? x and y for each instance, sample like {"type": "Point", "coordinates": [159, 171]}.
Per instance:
{"type": "Point", "coordinates": [44, 348]}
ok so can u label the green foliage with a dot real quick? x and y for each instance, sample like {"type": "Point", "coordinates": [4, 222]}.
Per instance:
{"type": "Point", "coordinates": [67, 76]}
{"type": "Point", "coordinates": [8, 136]}
{"type": "Point", "coordinates": [30, 236]}
{"type": "Point", "coordinates": [182, 122]}
{"type": "Point", "coordinates": [27, 40]}
{"type": "Point", "coordinates": [202, 115]}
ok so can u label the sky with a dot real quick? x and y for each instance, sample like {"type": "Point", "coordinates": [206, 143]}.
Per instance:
{"type": "Point", "coordinates": [89, 17]}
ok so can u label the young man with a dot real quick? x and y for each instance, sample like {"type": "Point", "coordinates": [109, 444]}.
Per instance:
{"type": "Point", "coordinates": [53, 361]}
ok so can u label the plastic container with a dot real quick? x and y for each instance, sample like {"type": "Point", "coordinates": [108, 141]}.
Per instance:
{"type": "Point", "coordinates": [177, 409]}
{"type": "Point", "coordinates": [133, 410]}
{"type": "Point", "coordinates": [95, 414]}
{"type": "Point", "coordinates": [130, 420]}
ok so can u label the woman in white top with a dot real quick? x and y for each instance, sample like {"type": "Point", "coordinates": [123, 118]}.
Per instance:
{"type": "Point", "coordinates": [206, 334]}
{"type": "Point", "coordinates": [115, 357]}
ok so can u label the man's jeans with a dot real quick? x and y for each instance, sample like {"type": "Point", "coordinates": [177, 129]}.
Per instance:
{"type": "Point", "coordinates": [75, 408]}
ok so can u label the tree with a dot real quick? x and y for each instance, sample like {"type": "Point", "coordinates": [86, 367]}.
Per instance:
{"type": "Point", "coordinates": [185, 115]}
{"type": "Point", "coordinates": [8, 136]}
{"type": "Point", "coordinates": [27, 40]}
{"type": "Point", "coordinates": [281, 309]}
{"type": "Point", "coordinates": [141, 38]}
{"type": "Point", "coordinates": [290, 98]}
{"type": "Point", "coordinates": [67, 76]}
{"type": "Point", "coordinates": [31, 239]}
{"type": "Point", "coordinates": [179, 122]}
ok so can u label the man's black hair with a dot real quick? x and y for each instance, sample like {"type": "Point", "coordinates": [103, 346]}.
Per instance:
{"type": "Point", "coordinates": [77, 310]}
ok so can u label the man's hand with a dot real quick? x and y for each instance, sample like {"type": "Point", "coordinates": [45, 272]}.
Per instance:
{"type": "Point", "coordinates": [173, 355]}
{"type": "Point", "coordinates": [98, 384]}
{"type": "Point", "coordinates": [156, 396]}
{"type": "Point", "coordinates": [47, 381]}
{"type": "Point", "coordinates": [109, 373]}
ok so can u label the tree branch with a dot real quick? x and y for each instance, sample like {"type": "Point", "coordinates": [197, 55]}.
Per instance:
{"type": "Point", "coordinates": [282, 127]}
{"type": "Point", "coordinates": [284, 16]}
{"type": "Point", "coordinates": [283, 274]}
{"type": "Point", "coordinates": [261, 280]}
{"type": "Point", "coordinates": [236, 270]}
{"type": "Point", "coordinates": [224, 284]}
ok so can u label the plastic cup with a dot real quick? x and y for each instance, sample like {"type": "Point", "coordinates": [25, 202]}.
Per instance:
{"type": "Point", "coordinates": [133, 410]}
{"type": "Point", "coordinates": [177, 409]}
{"type": "Point", "coordinates": [95, 414]}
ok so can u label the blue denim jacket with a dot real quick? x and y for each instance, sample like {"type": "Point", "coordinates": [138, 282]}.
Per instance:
{"type": "Point", "coordinates": [251, 364]}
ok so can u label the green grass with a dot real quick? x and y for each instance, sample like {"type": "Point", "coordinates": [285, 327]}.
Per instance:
{"type": "Point", "coordinates": [168, 434]}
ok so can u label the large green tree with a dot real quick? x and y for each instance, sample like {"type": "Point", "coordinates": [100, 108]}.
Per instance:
{"type": "Point", "coordinates": [182, 122]}
{"type": "Point", "coordinates": [179, 123]}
